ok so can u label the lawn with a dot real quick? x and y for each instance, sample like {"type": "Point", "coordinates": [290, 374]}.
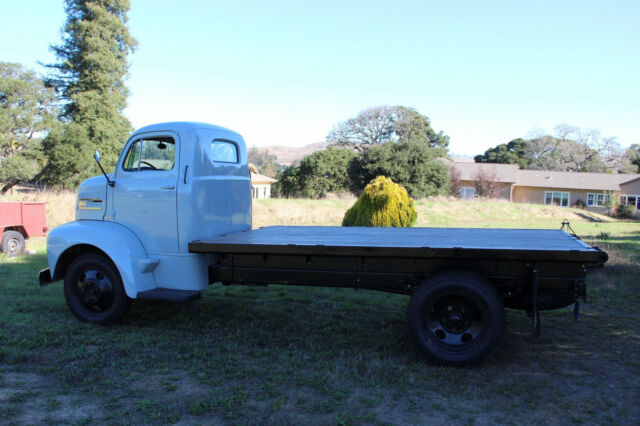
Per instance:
{"type": "Point", "coordinates": [292, 355]}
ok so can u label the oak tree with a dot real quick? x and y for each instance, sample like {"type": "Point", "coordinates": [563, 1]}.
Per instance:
{"type": "Point", "coordinates": [320, 173]}
{"type": "Point", "coordinates": [414, 165]}
{"type": "Point", "coordinates": [27, 113]}
{"type": "Point", "coordinates": [382, 124]}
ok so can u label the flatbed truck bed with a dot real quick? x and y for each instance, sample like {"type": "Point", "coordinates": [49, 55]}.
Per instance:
{"type": "Point", "coordinates": [397, 259]}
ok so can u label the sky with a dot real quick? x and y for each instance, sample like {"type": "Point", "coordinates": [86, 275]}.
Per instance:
{"type": "Point", "coordinates": [286, 72]}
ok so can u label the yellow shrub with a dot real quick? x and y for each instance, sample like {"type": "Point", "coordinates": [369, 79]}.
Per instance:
{"type": "Point", "coordinates": [382, 203]}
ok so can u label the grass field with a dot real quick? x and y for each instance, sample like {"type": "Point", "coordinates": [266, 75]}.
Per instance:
{"type": "Point", "coordinates": [294, 355]}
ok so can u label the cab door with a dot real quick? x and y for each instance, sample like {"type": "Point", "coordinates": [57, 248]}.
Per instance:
{"type": "Point", "coordinates": [145, 194]}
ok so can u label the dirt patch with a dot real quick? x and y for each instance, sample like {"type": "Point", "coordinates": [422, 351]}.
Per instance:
{"type": "Point", "coordinates": [33, 399]}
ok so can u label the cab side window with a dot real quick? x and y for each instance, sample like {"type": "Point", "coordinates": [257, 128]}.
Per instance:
{"type": "Point", "coordinates": [151, 154]}
{"type": "Point", "coordinates": [224, 152]}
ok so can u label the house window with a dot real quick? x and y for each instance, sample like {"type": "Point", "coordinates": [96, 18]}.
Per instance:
{"type": "Point", "coordinates": [466, 192]}
{"type": "Point", "coordinates": [630, 200]}
{"type": "Point", "coordinates": [556, 198]}
{"type": "Point", "coordinates": [597, 200]}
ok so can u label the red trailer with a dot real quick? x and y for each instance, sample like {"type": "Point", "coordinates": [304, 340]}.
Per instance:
{"type": "Point", "coordinates": [19, 221]}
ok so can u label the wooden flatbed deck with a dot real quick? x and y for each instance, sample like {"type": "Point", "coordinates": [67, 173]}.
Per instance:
{"type": "Point", "coordinates": [532, 244]}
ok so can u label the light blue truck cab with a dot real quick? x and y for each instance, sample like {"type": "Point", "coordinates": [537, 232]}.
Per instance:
{"type": "Point", "coordinates": [174, 183]}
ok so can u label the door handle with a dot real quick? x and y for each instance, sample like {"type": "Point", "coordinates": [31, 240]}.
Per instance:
{"type": "Point", "coordinates": [168, 187]}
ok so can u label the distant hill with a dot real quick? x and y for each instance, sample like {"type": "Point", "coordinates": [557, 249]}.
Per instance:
{"type": "Point", "coordinates": [287, 155]}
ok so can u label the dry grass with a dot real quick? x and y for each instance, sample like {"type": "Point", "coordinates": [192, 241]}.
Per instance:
{"type": "Point", "coordinates": [438, 211]}
{"type": "Point", "coordinates": [441, 211]}
{"type": "Point", "coordinates": [299, 212]}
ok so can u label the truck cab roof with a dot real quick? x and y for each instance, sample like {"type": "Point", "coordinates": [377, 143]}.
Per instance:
{"type": "Point", "coordinates": [182, 126]}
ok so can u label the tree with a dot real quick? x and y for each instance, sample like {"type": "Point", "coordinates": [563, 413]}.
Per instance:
{"type": "Point", "coordinates": [455, 182]}
{"type": "Point", "coordinates": [318, 174]}
{"type": "Point", "coordinates": [632, 154]}
{"type": "Point", "coordinates": [413, 165]}
{"type": "Point", "coordinates": [513, 152]}
{"type": "Point", "coordinates": [379, 125]}
{"type": "Point", "coordinates": [288, 184]}
{"type": "Point", "coordinates": [27, 113]}
{"type": "Point", "coordinates": [586, 150]}
{"type": "Point", "coordinates": [89, 76]}
{"type": "Point", "coordinates": [486, 184]}
{"type": "Point", "coordinates": [572, 149]}
{"type": "Point", "coordinates": [541, 153]}
{"type": "Point", "coordinates": [264, 161]}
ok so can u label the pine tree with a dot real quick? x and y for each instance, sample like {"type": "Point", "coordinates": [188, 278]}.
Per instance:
{"type": "Point", "coordinates": [89, 76]}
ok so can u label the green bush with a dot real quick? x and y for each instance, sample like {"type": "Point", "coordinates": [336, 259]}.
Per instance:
{"type": "Point", "coordinates": [626, 212]}
{"type": "Point", "coordinates": [318, 174]}
{"type": "Point", "coordinates": [382, 203]}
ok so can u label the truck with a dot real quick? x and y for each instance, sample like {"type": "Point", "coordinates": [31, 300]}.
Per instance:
{"type": "Point", "coordinates": [19, 221]}
{"type": "Point", "coordinates": [175, 217]}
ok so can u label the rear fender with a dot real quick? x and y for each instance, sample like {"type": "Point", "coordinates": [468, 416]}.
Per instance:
{"type": "Point", "coordinates": [66, 242]}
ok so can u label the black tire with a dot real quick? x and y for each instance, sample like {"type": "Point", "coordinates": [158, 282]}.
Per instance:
{"type": "Point", "coordinates": [456, 319]}
{"type": "Point", "coordinates": [13, 243]}
{"type": "Point", "coordinates": [94, 291]}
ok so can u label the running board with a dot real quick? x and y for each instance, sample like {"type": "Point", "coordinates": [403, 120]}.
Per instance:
{"type": "Point", "coordinates": [169, 295]}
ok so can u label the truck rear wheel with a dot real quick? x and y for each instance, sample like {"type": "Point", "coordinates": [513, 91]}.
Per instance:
{"type": "Point", "coordinates": [94, 291]}
{"type": "Point", "coordinates": [12, 243]}
{"type": "Point", "coordinates": [456, 319]}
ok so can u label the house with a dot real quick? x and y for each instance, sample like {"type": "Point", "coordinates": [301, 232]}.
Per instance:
{"type": "Point", "coordinates": [468, 173]}
{"type": "Point", "coordinates": [548, 187]}
{"type": "Point", "coordinates": [261, 185]}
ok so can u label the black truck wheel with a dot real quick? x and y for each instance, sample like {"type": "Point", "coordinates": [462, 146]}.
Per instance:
{"type": "Point", "coordinates": [12, 243]}
{"type": "Point", "coordinates": [456, 318]}
{"type": "Point", "coordinates": [94, 291]}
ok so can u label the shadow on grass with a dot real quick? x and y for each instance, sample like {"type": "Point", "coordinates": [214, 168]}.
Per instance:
{"type": "Point", "coordinates": [590, 218]}
{"type": "Point", "coordinates": [22, 267]}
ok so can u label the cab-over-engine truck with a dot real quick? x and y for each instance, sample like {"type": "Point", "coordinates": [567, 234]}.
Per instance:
{"type": "Point", "coordinates": [175, 216]}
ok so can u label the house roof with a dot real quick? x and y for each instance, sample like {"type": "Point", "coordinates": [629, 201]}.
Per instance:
{"type": "Point", "coordinates": [259, 179]}
{"type": "Point", "coordinates": [637, 178]}
{"type": "Point", "coordinates": [572, 180]}
{"type": "Point", "coordinates": [463, 160]}
{"type": "Point", "coordinates": [498, 172]}
{"type": "Point", "coordinates": [509, 173]}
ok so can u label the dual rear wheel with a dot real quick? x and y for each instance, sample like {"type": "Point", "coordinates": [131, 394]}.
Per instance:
{"type": "Point", "coordinates": [456, 318]}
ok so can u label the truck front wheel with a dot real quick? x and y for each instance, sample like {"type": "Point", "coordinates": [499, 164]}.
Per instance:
{"type": "Point", "coordinates": [94, 291]}
{"type": "Point", "coordinates": [12, 243]}
{"type": "Point", "coordinates": [456, 318]}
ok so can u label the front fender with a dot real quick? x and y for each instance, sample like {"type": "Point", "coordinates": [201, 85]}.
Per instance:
{"type": "Point", "coordinates": [116, 241]}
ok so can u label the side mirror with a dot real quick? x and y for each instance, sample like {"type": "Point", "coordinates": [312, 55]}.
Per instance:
{"type": "Point", "coordinates": [96, 156]}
